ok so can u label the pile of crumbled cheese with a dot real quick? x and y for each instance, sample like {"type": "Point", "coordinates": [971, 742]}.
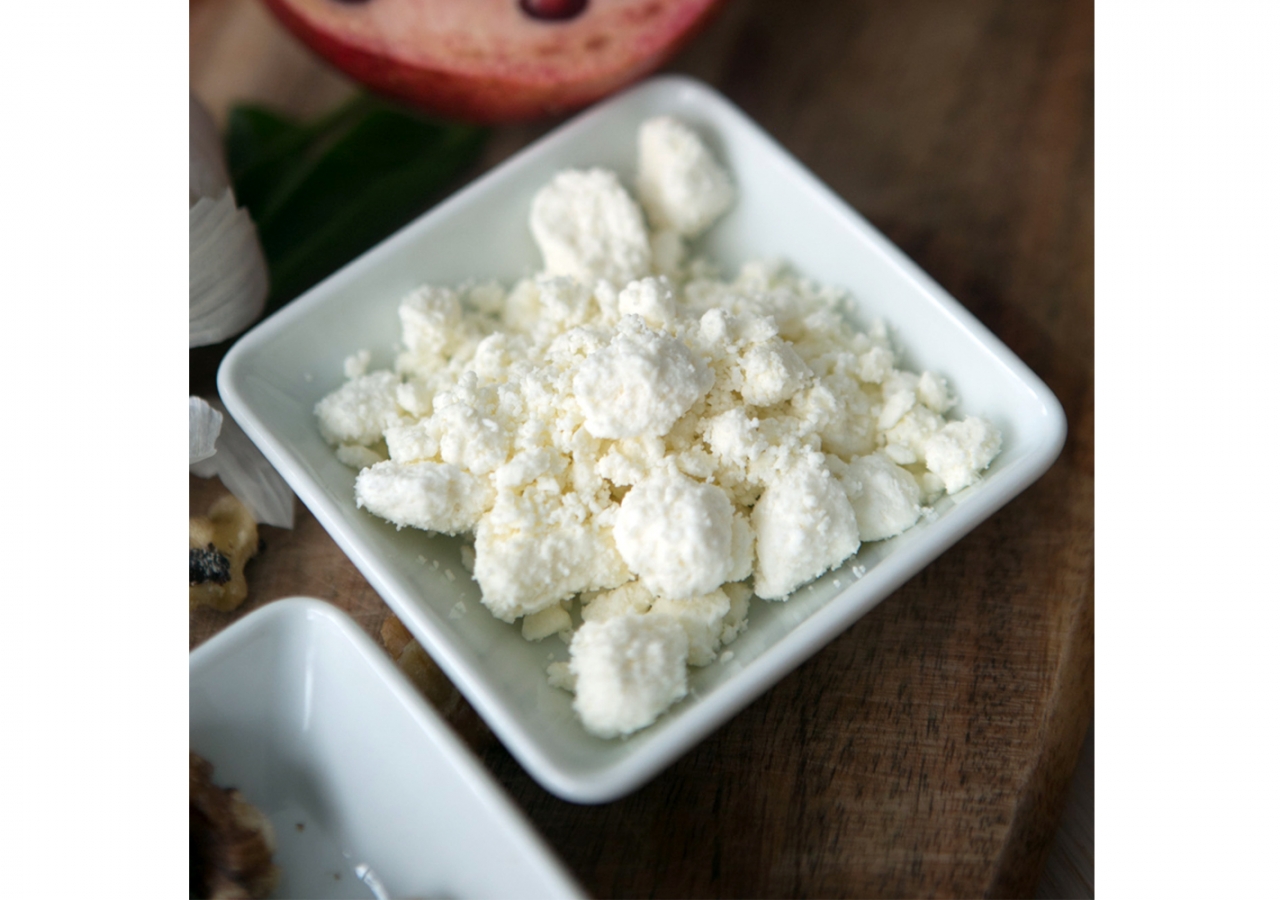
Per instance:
{"type": "Point", "coordinates": [629, 431]}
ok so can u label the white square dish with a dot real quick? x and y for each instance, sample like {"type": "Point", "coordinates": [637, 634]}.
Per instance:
{"type": "Point", "coordinates": [272, 378]}
{"type": "Point", "coordinates": [363, 782]}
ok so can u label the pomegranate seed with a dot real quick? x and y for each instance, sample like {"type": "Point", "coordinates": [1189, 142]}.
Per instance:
{"type": "Point", "coordinates": [553, 10]}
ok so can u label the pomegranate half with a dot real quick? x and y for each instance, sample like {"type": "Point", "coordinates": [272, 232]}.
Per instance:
{"type": "Point", "coordinates": [494, 61]}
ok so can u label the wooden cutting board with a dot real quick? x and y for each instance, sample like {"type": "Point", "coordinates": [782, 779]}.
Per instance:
{"type": "Point", "coordinates": [926, 751]}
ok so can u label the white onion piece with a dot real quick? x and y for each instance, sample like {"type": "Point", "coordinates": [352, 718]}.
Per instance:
{"type": "Point", "coordinates": [246, 473]}
{"type": "Point", "coordinates": [208, 171]}
{"type": "Point", "coordinates": [206, 422]}
{"type": "Point", "coordinates": [228, 272]}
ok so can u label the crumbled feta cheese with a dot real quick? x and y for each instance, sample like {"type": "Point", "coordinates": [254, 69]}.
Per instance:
{"type": "Point", "coordinates": [429, 317]}
{"type": "Point", "coordinates": [771, 372]}
{"type": "Point", "coordinates": [651, 299]}
{"type": "Point", "coordinates": [524, 468]}
{"type": "Point", "coordinates": [885, 498]}
{"type": "Point", "coordinates": [559, 676]}
{"type": "Point", "coordinates": [959, 451]}
{"type": "Point", "coordinates": [735, 622]}
{"type": "Point", "coordinates": [680, 184]}
{"type": "Point", "coordinates": [428, 495]}
{"type": "Point", "coordinates": [676, 534]}
{"type": "Point", "coordinates": [541, 546]}
{"type": "Point", "coordinates": [359, 411]}
{"type": "Point", "coordinates": [588, 227]}
{"type": "Point", "coordinates": [356, 364]}
{"type": "Point", "coordinates": [743, 551]}
{"type": "Point", "coordinates": [545, 622]}
{"type": "Point", "coordinates": [631, 429]}
{"type": "Point", "coordinates": [905, 441]}
{"type": "Point", "coordinates": [414, 396]}
{"type": "Point", "coordinates": [639, 384]}
{"type": "Point", "coordinates": [357, 456]}
{"type": "Point", "coordinates": [470, 439]}
{"type": "Point", "coordinates": [631, 597]}
{"type": "Point", "coordinates": [627, 670]}
{"type": "Point", "coordinates": [934, 393]}
{"type": "Point", "coordinates": [875, 365]}
{"type": "Point", "coordinates": [899, 398]}
{"type": "Point", "coordinates": [702, 618]}
{"type": "Point", "coordinates": [412, 441]}
{"type": "Point", "coordinates": [804, 525]}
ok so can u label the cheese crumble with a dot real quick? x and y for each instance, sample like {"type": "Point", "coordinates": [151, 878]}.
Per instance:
{"type": "Point", "coordinates": [632, 438]}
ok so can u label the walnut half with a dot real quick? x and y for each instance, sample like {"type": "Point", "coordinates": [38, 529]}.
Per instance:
{"type": "Point", "coordinates": [231, 841]}
{"type": "Point", "coordinates": [221, 543]}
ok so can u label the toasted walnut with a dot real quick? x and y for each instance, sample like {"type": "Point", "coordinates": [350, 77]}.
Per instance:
{"type": "Point", "coordinates": [221, 543]}
{"type": "Point", "coordinates": [231, 841]}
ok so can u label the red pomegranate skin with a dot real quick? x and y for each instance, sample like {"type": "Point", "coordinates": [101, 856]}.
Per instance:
{"type": "Point", "coordinates": [487, 61]}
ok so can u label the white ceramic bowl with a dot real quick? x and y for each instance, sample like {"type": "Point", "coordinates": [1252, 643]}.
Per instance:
{"type": "Point", "coordinates": [300, 710]}
{"type": "Point", "coordinates": [272, 378]}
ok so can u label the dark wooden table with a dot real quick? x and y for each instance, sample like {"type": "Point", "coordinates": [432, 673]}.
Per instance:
{"type": "Point", "coordinates": [927, 750]}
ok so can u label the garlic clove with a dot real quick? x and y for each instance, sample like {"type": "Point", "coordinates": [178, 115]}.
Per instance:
{"type": "Point", "coordinates": [228, 273]}
{"type": "Point", "coordinates": [246, 473]}
{"type": "Point", "coordinates": [206, 422]}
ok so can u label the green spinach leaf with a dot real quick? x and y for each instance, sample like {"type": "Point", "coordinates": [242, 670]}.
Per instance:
{"type": "Point", "coordinates": [323, 192]}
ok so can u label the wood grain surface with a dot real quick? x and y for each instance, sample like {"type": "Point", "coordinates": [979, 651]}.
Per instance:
{"type": "Point", "coordinates": [927, 750]}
